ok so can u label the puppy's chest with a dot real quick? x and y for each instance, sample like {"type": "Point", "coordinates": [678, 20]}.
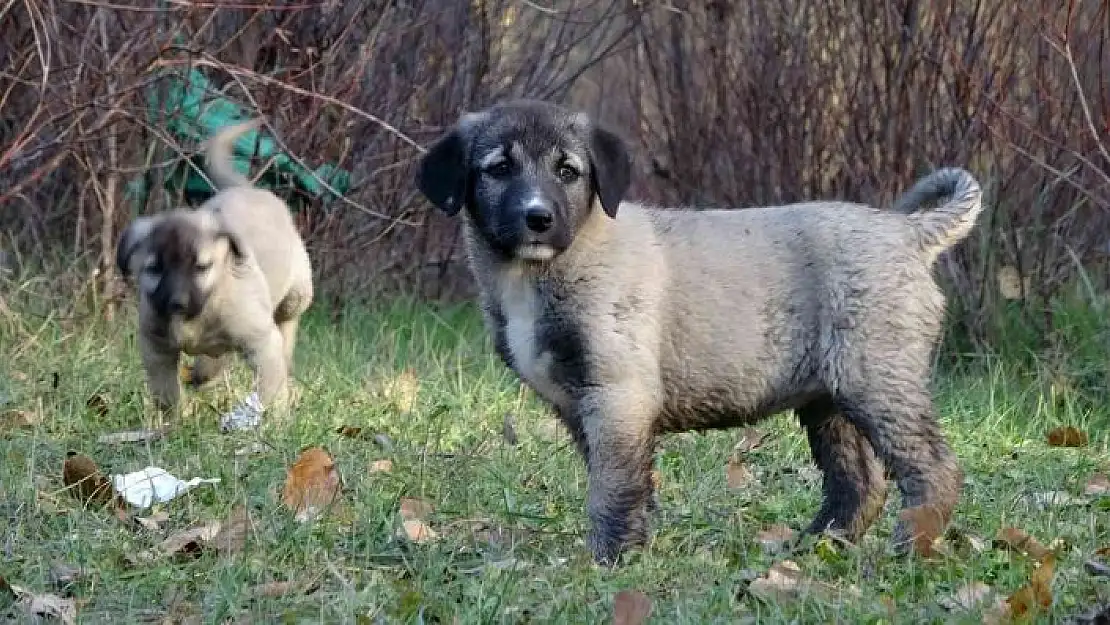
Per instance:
{"type": "Point", "coordinates": [198, 337]}
{"type": "Point", "coordinates": [536, 336]}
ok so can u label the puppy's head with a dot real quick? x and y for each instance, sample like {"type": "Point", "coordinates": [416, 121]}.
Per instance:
{"type": "Point", "coordinates": [177, 259]}
{"type": "Point", "coordinates": [529, 173]}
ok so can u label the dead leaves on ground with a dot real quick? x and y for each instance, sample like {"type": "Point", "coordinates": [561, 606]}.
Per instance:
{"type": "Point", "coordinates": [784, 581]}
{"type": "Point", "coordinates": [413, 525]}
{"type": "Point", "coordinates": [39, 606]}
{"type": "Point", "coordinates": [1067, 436]}
{"type": "Point", "coordinates": [1098, 485]}
{"type": "Point", "coordinates": [224, 537]}
{"type": "Point", "coordinates": [83, 478]}
{"type": "Point", "coordinates": [12, 420]}
{"type": "Point", "coordinates": [1018, 540]}
{"type": "Point", "coordinates": [311, 484]}
{"type": "Point", "coordinates": [631, 607]}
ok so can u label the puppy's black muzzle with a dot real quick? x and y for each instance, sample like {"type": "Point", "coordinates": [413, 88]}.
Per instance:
{"type": "Point", "coordinates": [172, 298]}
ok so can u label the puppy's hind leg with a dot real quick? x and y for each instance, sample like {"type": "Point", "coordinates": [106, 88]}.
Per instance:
{"type": "Point", "coordinates": [161, 375]}
{"type": "Point", "coordinates": [898, 417]}
{"type": "Point", "coordinates": [854, 486]}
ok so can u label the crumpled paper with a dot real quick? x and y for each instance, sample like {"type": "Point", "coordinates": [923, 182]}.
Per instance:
{"type": "Point", "coordinates": [152, 485]}
{"type": "Point", "coordinates": [245, 416]}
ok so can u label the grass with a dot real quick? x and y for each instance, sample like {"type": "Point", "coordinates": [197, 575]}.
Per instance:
{"type": "Point", "coordinates": [510, 518]}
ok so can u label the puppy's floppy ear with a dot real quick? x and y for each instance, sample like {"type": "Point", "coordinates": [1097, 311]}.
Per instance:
{"type": "Point", "coordinates": [610, 168]}
{"type": "Point", "coordinates": [444, 171]}
{"type": "Point", "coordinates": [130, 240]}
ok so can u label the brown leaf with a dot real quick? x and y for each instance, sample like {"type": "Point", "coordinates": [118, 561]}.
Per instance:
{"type": "Point", "coordinates": [131, 436]}
{"type": "Point", "coordinates": [381, 466]}
{"type": "Point", "coordinates": [311, 484]}
{"type": "Point", "coordinates": [414, 508]}
{"type": "Point", "coordinates": [656, 479]}
{"type": "Point", "coordinates": [1103, 551]}
{"type": "Point", "coordinates": [232, 535]}
{"type": "Point", "coordinates": [1097, 486]}
{"type": "Point", "coordinates": [349, 431]}
{"type": "Point", "coordinates": [402, 390]}
{"type": "Point", "coordinates": [775, 538]}
{"type": "Point", "coordinates": [1018, 540]}
{"type": "Point", "coordinates": [47, 605]}
{"type": "Point", "coordinates": [280, 589]}
{"type": "Point", "coordinates": [84, 479]}
{"type": "Point", "coordinates": [631, 607]}
{"type": "Point", "coordinates": [926, 526]}
{"type": "Point", "coordinates": [12, 420]}
{"type": "Point", "coordinates": [782, 582]}
{"type": "Point", "coordinates": [738, 475]}
{"type": "Point", "coordinates": [98, 403]}
{"type": "Point", "coordinates": [1035, 596]}
{"type": "Point", "coordinates": [1067, 437]}
{"type": "Point", "coordinates": [418, 531]}
{"type": "Point", "coordinates": [1011, 284]}
{"type": "Point", "coordinates": [188, 542]}
{"type": "Point", "coordinates": [153, 522]}
{"type": "Point", "coordinates": [967, 597]}
{"type": "Point", "coordinates": [750, 440]}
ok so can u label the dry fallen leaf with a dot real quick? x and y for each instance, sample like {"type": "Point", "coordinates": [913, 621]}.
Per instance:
{"type": "Point", "coordinates": [349, 431]}
{"type": "Point", "coordinates": [187, 542]}
{"type": "Point", "coordinates": [782, 582]}
{"type": "Point", "coordinates": [402, 390]}
{"type": "Point", "coordinates": [967, 597]}
{"type": "Point", "coordinates": [98, 404]}
{"type": "Point", "coordinates": [311, 484]}
{"type": "Point", "coordinates": [232, 535]}
{"type": "Point", "coordinates": [1010, 283]}
{"type": "Point", "coordinates": [280, 589]}
{"type": "Point", "coordinates": [775, 538]}
{"type": "Point", "coordinates": [1035, 596]}
{"type": "Point", "coordinates": [926, 526]}
{"type": "Point", "coordinates": [1019, 540]}
{"type": "Point", "coordinates": [1054, 499]}
{"type": "Point", "coordinates": [19, 420]}
{"type": "Point", "coordinates": [414, 508]}
{"type": "Point", "coordinates": [631, 607]}
{"type": "Point", "coordinates": [84, 479]}
{"type": "Point", "coordinates": [132, 436]}
{"type": "Point", "coordinates": [656, 479]}
{"type": "Point", "coordinates": [738, 475]}
{"type": "Point", "coordinates": [153, 522]}
{"type": "Point", "coordinates": [1097, 486]}
{"type": "Point", "coordinates": [381, 466]}
{"type": "Point", "coordinates": [1103, 551]}
{"type": "Point", "coordinates": [1067, 437]}
{"type": "Point", "coordinates": [46, 605]}
{"type": "Point", "coordinates": [750, 440]}
{"type": "Point", "coordinates": [418, 531]}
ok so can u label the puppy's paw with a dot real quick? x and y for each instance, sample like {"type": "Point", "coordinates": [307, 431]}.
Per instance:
{"type": "Point", "coordinates": [245, 416]}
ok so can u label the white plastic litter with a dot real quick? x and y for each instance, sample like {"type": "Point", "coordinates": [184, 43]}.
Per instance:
{"type": "Point", "coordinates": [152, 485]}
{"type": "Point", "coordinates": [245, 416]}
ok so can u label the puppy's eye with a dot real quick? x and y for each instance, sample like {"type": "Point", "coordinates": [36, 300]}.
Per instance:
{"type": "Point", "coordinates": [567, 173]}
{"type": "Point", "coordinates": [153, 268]}
{"type": "Point", "coordinates": [500, 168]}
{"type": "Point", "coordinates": [203, 267]}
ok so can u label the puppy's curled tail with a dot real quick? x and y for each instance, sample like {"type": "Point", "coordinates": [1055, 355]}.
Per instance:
{"type": "Point", "coordinates": [218, 155]}
{"type": "Point", "coordinates": [948, 224]}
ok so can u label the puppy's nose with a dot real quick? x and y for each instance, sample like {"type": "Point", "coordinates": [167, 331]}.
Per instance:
{"type": "Point", "coordinates": [178, 305]}
{"type": "Point", "coordinates": [538, 218]}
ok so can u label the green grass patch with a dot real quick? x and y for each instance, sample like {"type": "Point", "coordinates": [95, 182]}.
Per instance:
{"type": "Point", "coordinates": [510, 518]}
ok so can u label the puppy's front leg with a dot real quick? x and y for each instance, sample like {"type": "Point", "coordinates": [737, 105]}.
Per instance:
{"type": "Point", "coordinates": [266, 357]}
{"type": "Point", "coordinates": [160, 366]}
{"type": "Point", "coordinates": [619, 436]}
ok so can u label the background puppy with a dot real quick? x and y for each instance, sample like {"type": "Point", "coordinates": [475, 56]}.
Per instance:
{"type": "Point", "coordinates": [231, 276]}
{"type": "Point", "coordinates": [664, 321]}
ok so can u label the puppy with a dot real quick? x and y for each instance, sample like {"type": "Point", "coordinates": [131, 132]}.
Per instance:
{"type": "Point", "coordinates": [231, 276]}
{"type": "Point", "coordinates": [634, 321]}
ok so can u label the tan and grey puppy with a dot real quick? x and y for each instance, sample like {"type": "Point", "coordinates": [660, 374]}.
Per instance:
{"type": "Point", "coordinates": [232, 276]}
{"type": "Point", "coordinates": [634, 321]}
